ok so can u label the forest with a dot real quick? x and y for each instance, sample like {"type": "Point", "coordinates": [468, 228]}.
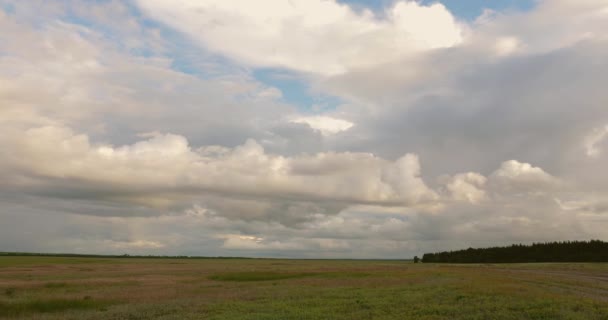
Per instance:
{"type": "Point", "coordinates": [566, 251]}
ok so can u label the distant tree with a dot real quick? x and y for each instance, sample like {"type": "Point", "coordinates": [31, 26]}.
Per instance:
{"type": "Point", "coordinates": [567, 251]}
{"type": "Point", "coordinates": [416, 259]}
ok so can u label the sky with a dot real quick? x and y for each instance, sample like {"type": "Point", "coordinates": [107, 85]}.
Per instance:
{"type": "Point", "coordinates": [301, 128]}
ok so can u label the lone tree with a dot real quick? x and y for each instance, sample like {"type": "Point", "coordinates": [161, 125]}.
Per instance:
{"type": "Point", "coordinates": [416, 259]}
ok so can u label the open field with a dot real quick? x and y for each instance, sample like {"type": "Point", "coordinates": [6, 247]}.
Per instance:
{"type": "Point", "coordinates": [112, 288]}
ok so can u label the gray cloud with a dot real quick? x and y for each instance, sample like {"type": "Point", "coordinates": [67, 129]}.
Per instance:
{"type": "Point", "coordinates": [108, 146]}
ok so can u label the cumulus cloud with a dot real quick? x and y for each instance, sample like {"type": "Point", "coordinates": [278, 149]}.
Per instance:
{"type": "Point", "coordinates": [320, 37]}
{"type": "Point", "coordinates": [324, 124]}
{"type": "Point", "coordinates": [518, 176]}
{"type": "Point", "coordinates": [138, 136]}
{"type": "Point", "coordinates": [164, 165]}
{"type": "Point", "coordinates": [116, 81]}
{"type": "Point", "coordinates": [467, 186]}
{"type": "Point", "coordinates": [512, 178]}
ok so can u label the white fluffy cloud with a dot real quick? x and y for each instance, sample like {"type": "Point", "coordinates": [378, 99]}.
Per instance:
{"type": "Point", "coordinates": [165, 164]}
{"type": "Point", "coordinates": [467, 186]}
{"type": "Point", "coordinates": [321, 37]}
{"type": "Point", "coordinates": [512, 178]}
{"type": "Point", "coordinates": [324, 124]}
{"type": "Point", "coordinates": [519, 176]}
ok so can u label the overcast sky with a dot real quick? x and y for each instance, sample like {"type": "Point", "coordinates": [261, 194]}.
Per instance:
{"type": "Point", "coordinates": [301, 128]}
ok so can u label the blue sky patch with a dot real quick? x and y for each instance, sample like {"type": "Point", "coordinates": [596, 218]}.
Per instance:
{"type": "Point", "coordinates": [471, 9]}
{"type": "Point", "coordinates": [295, 90]}
{"type": "Point", "coordinates": [463, 9]}
{"type": "Point", "coordinates": [7, 7]}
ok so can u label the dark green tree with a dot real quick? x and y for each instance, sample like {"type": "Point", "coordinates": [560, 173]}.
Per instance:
{"type": "Point", "coordinates": [567, 251]}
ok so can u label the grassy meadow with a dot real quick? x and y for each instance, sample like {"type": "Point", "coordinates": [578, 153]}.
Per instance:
{"type": "Point", "coordinates": [115, 288]}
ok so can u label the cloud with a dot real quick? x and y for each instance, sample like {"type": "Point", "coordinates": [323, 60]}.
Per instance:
{"type": "Point", "coordinates": [164, 168]}
{"type": "Point", "coordinates": [137, 244]}
{"type": "Point", "coordinates": [512, 178]}
{"type": "Point", "coordinates": [117, 83]}
{"type": "Point", "coordinates": [132, 137]}
{"type": "Point", "coordinates": [324, 124]}
{"type": "Point", "coordinates": [255, 243]}
{"type": "Point", "coordinates": [540, 30]}
{"type": "Point", "coordinates": [519, 176]}
{"type": "Point", "coordinates": [467, 187]}
{"type": "Point", "coordinates": [592, 141]}
{"type": "Point", "coordinates": [319, 37]}
{"type": "Point", "coordinates": [463, 117]}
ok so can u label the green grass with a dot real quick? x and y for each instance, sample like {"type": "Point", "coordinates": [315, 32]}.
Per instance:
{"type": "Point", "coordinates": [10, 261]}
{"type": "Point", "coordinates": [12, 309]}
{"type": "Point", "coordinates": [10, 292]}
{"type": "Point", "coordinates": [53, 285]}
{"type": "Point", "coordinates": [63, 288]}
{"type": "Point", "coordinates": [397, 303]}
{"type": "Point", "coordinates": [257, 276]}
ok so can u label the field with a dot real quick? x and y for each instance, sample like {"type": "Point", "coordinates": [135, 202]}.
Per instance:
{"type": "Point", "coordinates": [113, 288]}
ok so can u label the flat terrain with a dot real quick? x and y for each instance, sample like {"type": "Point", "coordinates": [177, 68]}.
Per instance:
{"type": "Point", "coordinates": [113, 288]}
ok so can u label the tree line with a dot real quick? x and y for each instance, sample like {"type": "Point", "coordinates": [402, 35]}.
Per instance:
{"type": "Point", "coordinates": [79, 255]}
{"type": "Point", "coordinates": [566, 251]}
